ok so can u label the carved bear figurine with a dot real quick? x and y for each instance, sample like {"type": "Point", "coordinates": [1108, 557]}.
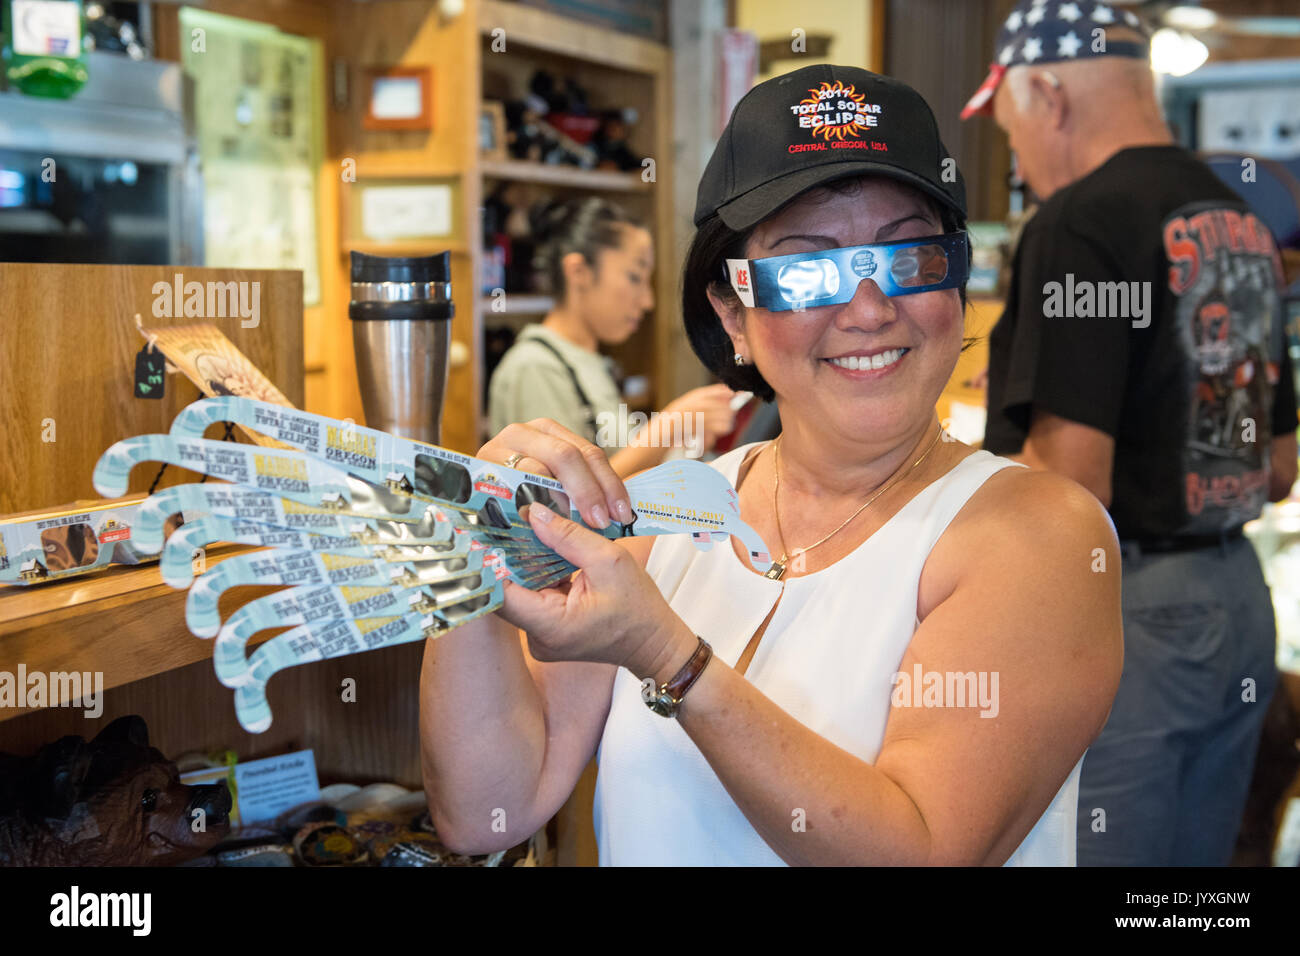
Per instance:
{"type": "Point", "coordinates": [114, 801]}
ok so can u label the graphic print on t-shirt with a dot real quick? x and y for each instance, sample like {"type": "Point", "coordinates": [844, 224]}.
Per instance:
{"type": "Point", "coordinates": [1222, 264]}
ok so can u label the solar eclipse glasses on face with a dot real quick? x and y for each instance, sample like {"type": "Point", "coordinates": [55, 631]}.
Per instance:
{"type": "Point", "coordinates": [831, 276]}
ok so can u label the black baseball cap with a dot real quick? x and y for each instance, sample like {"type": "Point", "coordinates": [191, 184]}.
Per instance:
{"type": "Point", "coordinates": [817, 124]}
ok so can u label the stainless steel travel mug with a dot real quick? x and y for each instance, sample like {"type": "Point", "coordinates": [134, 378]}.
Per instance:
{"type": "Point", "coordinates": [401, 312]}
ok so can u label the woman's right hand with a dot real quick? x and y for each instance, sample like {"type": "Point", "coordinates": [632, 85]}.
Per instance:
{"type": "Point", "coordinates": [552, 450]}
{"type": "Point", "coordinates": [712, 404]}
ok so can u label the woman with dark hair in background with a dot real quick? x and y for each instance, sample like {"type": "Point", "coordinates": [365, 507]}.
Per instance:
{"type": "Point", "coordinates": [597, 260]}
{"type": "Point", "coordinates": [917, 678]}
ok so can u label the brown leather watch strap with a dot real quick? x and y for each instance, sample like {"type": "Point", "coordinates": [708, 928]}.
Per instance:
{"type": "Point", "coordinates": [681, 681]}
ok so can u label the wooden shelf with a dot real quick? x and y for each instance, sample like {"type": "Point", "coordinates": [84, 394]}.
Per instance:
{"type": "Point", "coordinates": [619, 71]}
{"type": "Point", "coordinates": [554, 33]}
{"type": "Point", "coordinates": [122, 621]}
{"type": "Point", "coordinates": [377, 168]}
{"type": "Point", "coordinates": [572, 177]}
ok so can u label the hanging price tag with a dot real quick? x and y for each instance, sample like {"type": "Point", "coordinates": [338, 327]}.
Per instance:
{"type": "Point", "coordinates": [150, 373]}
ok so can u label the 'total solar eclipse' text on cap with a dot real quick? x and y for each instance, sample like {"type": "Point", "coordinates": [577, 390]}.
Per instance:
{"type": "Point", "coordinates": [817, 124]}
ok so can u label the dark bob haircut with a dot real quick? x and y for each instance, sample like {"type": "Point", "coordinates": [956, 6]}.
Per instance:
{"type": "Point", "coordinates": [704, 269]}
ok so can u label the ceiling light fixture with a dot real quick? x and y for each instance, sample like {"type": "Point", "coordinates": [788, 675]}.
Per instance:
{"type": "Point", "coordinates": [1176, 53]}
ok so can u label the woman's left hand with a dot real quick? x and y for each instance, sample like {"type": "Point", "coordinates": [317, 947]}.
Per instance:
{"type": "Point", "coordinates": [612, 612]}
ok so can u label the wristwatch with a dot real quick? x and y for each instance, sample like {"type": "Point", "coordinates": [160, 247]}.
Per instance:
{"type": "Point", "coordinates": [670, 695]}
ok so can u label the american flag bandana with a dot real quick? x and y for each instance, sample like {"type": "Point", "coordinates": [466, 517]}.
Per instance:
{"type": "Point", "coordinates": [1050, 31]}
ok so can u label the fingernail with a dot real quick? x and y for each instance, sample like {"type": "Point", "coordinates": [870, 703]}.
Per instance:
{"type": "Point", "coordinates": [624, 511]}
{"type": "Point", "coordinates": [599, 516]}
{"type": "Point", "coordinates": [540, 513]}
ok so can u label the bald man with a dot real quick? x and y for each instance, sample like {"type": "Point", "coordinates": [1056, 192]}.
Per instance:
{"type": "Point", "coordinates": [1141, 354]}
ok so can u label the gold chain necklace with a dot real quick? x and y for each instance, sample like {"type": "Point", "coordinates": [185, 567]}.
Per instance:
{"type": "Point", "coordinates": [777, 570]}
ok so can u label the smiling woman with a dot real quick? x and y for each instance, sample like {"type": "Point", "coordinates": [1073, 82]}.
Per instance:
{"type": "Point", "coordinates": [706, 272]}
{"type": "Point", "coordinates": [908, 558]}
{"type": "Point", "coordinates": [923, 331]}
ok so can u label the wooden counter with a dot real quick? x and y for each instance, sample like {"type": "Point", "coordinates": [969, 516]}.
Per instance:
{"type": "Point", "coordinates": [126, 624]}
{"type": "Point", "coordinates": [123, 622]}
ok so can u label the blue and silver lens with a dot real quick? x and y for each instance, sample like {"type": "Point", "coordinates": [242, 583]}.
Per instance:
{"type": "Point", "coordinates": [831, 276]}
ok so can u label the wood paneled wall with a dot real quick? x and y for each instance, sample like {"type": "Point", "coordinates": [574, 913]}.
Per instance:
{"type": "Point", "coordinates": [330, 368]}
{"type": "Point", "coordinates": [412, 33]}
{"type": "Point", "coordinates": [67, 354]}
{"type": "Point", "coordinates": [942, 49]}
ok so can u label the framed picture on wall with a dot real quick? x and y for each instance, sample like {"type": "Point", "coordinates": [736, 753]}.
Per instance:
{"type": "Point", "coordinates": [492, 130]}
{"type": "Point", "coordinates": [394, 212]}
{"type": "Point", "coordinates": [399, 97]}
{"type": "Point", "coordinates": [390, 214]}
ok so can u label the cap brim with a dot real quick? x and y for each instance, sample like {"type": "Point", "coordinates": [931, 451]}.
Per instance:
{"type": "Point", "coordinates": [762, 201]}
{"type": "Point", "coordinates": [981, 104]}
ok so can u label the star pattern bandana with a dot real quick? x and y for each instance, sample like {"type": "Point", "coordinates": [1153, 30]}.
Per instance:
{"type": "Point", "coordinates": [1049, 31]}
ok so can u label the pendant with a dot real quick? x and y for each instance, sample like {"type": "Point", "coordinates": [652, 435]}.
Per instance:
{"type": "Point", "coordinates": [775, 572]}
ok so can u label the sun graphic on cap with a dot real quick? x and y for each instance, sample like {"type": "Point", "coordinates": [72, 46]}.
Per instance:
{"type": "Point", "coordinates": [835, 122]}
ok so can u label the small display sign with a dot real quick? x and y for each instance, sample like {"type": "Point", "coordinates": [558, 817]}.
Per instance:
{"type": "Point", "coordinates": [150, 373]}
{"type": "Point", "coordinates": [265, 788]}
{"type": "Point", "coordinates": [47, 28]}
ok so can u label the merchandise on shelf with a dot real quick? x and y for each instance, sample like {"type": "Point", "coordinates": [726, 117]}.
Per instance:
{"type": "Point", "coordinates": [554, 123]}
{"type": "Point", "coordinates": [114, 801]}
{"type": "Point", "coordinates": [75, 539]}
{"type": "Point", "coordinates": [42, 51]}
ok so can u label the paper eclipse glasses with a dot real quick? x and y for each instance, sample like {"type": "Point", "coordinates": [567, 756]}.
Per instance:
{"type": "Point", "coordinates": [831, 276]}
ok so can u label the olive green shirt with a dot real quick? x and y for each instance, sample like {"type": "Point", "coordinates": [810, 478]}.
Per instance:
{"type": "Point", "coordinates": [530, 382]}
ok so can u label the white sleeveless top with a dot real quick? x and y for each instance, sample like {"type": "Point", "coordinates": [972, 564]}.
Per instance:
{"type": "Point", "coordinates": [827, 659]}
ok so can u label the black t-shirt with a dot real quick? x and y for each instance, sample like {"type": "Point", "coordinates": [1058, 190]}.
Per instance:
{"type": "Point", "coordinates": [1144, 303]}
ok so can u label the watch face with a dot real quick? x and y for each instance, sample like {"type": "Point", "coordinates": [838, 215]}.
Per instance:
{"type": "Point", "coordinates": [663, 705]}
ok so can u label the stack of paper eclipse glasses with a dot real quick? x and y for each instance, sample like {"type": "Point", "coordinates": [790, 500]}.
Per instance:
{"type": "Point", "coordinates": [375, 539]}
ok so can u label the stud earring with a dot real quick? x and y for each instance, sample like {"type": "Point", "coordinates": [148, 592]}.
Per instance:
{"type": "Point", "coordinates": [740, 359]}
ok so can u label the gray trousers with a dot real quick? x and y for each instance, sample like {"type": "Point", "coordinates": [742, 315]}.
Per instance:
{"type": "Point", "coordinates": [1166, 782]}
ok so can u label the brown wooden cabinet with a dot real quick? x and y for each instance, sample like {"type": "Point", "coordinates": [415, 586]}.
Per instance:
{"type": "Point", "coordinates": [465, 58]}
{"type": "Point", "coordinates": [71, 361]}
{"type": "Point", "coordinates": [66, 354]}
